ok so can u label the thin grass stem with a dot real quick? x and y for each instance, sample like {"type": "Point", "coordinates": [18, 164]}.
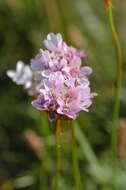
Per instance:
{"type": "Point", "coordinates": [58, 154]}
{"type": "Point", "coordinates": [45, 132]}
{"type": "Point", "coordinates": [115, 117]}
{"type": "Point", "coordinates": [76, 171]}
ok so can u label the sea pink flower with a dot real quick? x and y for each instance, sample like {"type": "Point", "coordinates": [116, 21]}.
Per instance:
{"type": "Point", "coordinates": [24, 75]}
{"type": "Point", "coordinates": [54, 84]}
{"type": "Point", "coordinates": [66, 88]}
{"type": "Point", "coordinates": [53, 42]}
{"type": "Point", "coordinates": [41, 61]}
{"type": "Point", "coordinates": [75, 100]}
{"type": "Point", "coordinates": [58, 78]}
{"type": "Point", "coordinates": [41, 102]}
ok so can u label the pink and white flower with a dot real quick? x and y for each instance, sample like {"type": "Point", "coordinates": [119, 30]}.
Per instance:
{"type": "Point", "coordinates": [24, 75]}
{"type": "Point", "coordinates": [58, 78]}
{"type": "Point", "coordinates": [66, 88]}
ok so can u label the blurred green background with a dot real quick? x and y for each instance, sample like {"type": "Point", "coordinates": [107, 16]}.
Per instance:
{"type": "Point", "coordinates": [23, 139]}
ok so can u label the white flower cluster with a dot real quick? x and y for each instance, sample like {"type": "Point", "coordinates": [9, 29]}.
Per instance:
{"type": "Point", "coordinates": [24, 75]}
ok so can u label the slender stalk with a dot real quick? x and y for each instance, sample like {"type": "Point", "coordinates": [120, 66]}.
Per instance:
{"type": "Point", "coordinates": [58, 153]}
{"type": "Point", "coordinates": [74, 159]}
{"type": "Point", "coordinates": [45, 132]}
{"type": "Point", "coordinates": [116, 107]}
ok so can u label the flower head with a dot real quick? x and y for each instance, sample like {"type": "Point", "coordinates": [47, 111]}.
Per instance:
{"type": "Point", "coordinates": [24, 75]}
{"type": "Point", "coordinates": [66, 88]}
{"type": "Point", "coordinates": [58, 78]}
{"type": "Point", "coordinates": [53, 42]}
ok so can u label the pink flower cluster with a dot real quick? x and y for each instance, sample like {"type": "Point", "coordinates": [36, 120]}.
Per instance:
{"type": "Point", "coordinates": [65, 90]}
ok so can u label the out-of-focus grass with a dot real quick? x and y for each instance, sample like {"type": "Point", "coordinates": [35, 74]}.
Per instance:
{"type": "Point", "coordinates": [23, 26]}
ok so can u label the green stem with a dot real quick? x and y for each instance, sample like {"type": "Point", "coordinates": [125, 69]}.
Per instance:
{"type": "Point", "coordinates": [58, 154]}
{"type": "Point", "coordinates": [45, 132]}
{"type": "Point", "coordinates": [116, 107]}
{"type": "Point", "coordinates": [74, 159]}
